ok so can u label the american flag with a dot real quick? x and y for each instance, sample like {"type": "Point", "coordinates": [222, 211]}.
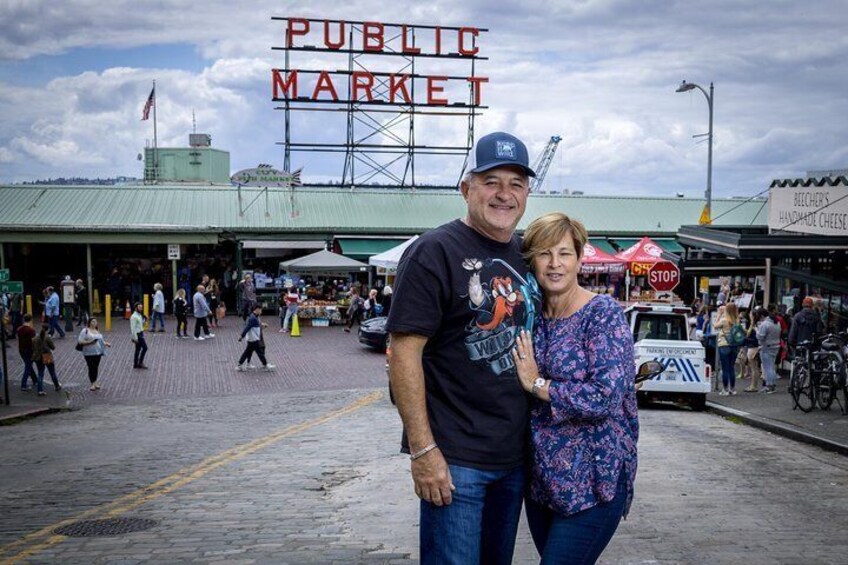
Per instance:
{"type": "Point", "coordinates": [149, 104]}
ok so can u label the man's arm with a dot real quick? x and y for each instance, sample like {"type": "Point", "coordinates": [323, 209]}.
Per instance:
{"type": "Point", "coordinates": [430, 472]}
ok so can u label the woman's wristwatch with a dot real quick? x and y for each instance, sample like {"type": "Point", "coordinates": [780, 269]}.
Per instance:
{"type": "Point", "coordinates": [539, 383]}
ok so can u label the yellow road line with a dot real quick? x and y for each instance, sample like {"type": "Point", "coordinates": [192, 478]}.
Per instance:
{"type": "Point", "coordinates": [44, 538]}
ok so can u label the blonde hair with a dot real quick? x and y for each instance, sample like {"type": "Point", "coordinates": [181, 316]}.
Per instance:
{"type": "Point", "coordinates": [547, 231]}
{"type": "Point", "coordinates": [732, 312]}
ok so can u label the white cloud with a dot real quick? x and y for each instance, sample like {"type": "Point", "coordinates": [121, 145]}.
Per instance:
{"type": "Point", "coordinates": [601, 74]}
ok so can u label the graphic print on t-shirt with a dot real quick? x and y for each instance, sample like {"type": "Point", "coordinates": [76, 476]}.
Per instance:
{"type": "Point", "coordinates": [503, 304]}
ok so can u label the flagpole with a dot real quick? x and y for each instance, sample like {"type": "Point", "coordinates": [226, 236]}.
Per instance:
{"type": "Point", "coordinates": [155, 141]}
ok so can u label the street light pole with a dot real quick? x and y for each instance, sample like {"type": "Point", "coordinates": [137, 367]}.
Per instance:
{"type": "Point", "coordinates": [685, 87]}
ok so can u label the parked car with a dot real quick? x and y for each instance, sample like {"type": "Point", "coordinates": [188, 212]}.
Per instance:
{"type": "Point", "coordinates": [373, 333]}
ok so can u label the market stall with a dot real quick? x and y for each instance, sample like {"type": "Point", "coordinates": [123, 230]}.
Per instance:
{"type": "Point", "coordinates": [639, 258]}
{"type": "Point", "coordinates": [322, 265]}
{"type": "Point", "coordinates": [597, 262]}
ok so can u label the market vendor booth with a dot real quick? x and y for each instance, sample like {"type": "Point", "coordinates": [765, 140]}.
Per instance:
{"type": "Point", "coordinates": [639, 258]}
{"type": "Point", "coordinates": [324, 269]}
{"type": "Point", "coordinates": [601, 272]}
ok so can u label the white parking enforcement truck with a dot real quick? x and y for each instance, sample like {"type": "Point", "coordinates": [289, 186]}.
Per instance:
{"type": "Point", "coordinates": [661, 333]}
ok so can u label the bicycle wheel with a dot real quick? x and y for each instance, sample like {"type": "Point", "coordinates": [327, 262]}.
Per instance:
{"type": "Point", "coordinates": [827, 384]}
{"type": "Point", "coordinates": [801, 388]}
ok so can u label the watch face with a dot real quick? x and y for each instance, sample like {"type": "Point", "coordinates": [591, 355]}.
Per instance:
{"type": "Point", "coordinates": [539, 382]}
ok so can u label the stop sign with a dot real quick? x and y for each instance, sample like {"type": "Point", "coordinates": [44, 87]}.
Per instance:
{"type": "Point", "coordinates": [664, 276]}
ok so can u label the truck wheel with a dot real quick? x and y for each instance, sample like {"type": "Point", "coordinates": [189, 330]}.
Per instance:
{"type": "Point", "coordinates": [642, 400]}
{"type": "Point", "coordinates": [698, 402]}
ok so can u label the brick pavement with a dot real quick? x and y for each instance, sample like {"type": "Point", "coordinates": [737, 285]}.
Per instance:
{"type": "Point", "coordinates": [321, 359]}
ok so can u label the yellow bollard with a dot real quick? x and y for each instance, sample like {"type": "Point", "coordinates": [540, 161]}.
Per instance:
{"type": "Point", "coordinates": [108, 321]}
{"type": "Point", "coordinates": [28, 304]}
{"type": "Point", "coordinates": [95, 304]}
{"type": "Point", "coordinates": [146, 310]}
{"type": "Point", "coordinates": [295, 331]}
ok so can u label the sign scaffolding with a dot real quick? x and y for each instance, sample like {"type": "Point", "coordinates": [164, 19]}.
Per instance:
{"type": "Point", "coordinates": [383, 92]}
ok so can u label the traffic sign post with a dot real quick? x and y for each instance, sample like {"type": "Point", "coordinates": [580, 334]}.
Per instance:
{"type": "Point", "coordinates": [664, 276]}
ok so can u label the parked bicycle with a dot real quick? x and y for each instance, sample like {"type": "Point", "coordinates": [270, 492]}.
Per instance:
{"type": "Point", "coordinates": [820, 372]}
{"type": "Point", "coordinates": [802, 387]}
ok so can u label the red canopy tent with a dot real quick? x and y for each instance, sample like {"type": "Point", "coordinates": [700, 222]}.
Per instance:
{"type": "Point", "coordinates": [641, 256]}
{"type": "Point", "coordinates": [598, 261]}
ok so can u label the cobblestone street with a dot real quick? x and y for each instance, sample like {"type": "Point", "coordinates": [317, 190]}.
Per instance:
{"type": "Point", "coordinates": [302, 466]}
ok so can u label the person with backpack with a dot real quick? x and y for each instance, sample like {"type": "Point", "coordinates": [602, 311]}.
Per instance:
{"type": "Point", "coordinates": [730, 336]}
{"type": "Point", "coordinates": [806, 324]}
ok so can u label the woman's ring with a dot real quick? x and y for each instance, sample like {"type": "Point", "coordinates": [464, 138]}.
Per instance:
{"type": "Point", "coordinates": [522, 356]}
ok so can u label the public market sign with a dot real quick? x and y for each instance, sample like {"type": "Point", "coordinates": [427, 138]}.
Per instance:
{"type": "Point", "coordinates": [809, 209]}
{"type": "Point", "coordinates": [357, 85]}
{"type": "Point", "coordinates": [266, 175]}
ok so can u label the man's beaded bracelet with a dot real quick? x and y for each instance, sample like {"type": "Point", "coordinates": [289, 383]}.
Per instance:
{"type": "Point", "coordinates": [423, 452]}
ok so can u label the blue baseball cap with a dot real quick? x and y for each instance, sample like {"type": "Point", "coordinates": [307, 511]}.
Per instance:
{"type": "Point", "coordinates": [499, 149]}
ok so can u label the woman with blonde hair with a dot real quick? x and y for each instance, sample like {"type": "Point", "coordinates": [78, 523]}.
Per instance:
{"type": "Point", "coordinates": [728, 316]}
{"type": "Point", "coordinates": [579, 368]}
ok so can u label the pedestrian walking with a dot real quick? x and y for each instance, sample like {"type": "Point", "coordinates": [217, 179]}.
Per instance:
{"type": "Point", "coordinates": [201, 311]}
{"type": "Point", "coordinates": [248, 295]}
{"type": "Point", "coordinates": [42, 355]}
{"type": "Point", "coordinates": [51, 312]}
{"type": "Point", "coordinates": [768, 336]}
{"type": "Point", "coordinates": [252, 331]}
{"type": "Point", "coordinates": [83, 303]}
{"type": "Point", "coordinates": [181, 313]}
{"type": "Point", "coordinates": [213, 296]}
{"type": "Point", "coordinates": [16, 317]}
{"type": "Point", "coordinates": [158, 308]}
{"type": "Point", "coordinates": [727, 350]}
{"type": "Point", "coordinates": [26, 334]}
{"type": "Point", "coordinates": [93, 347]}
{"type": "Point", "coordinates": [137, 334]}
{"type": "Point", "coordinates": [354, 309]}
{"type": "Point", "coordinates": [288, 308]}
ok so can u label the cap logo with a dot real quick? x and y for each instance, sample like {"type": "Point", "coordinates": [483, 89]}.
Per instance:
{"type": "Point", "coordinates": [505, 149]}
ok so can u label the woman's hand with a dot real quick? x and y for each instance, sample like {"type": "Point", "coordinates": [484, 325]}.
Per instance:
{"type": "Point", "coordinates": [525, 362]}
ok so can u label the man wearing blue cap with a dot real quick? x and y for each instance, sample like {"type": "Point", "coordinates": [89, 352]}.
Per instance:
{"type": "Point", "coordinates": [461, 295]}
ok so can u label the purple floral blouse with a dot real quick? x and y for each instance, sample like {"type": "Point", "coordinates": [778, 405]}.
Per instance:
{"type": "Point", "coordinates": [586, 435]}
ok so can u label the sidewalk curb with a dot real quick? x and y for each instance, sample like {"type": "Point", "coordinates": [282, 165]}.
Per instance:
{"type": "Point", "coordinates": [779, 428]}
{"type": "Point", "coordinates": [28, 414]}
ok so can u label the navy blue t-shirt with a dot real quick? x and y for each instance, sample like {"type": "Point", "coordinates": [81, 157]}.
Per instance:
{"type": "Point", "coordinates": [470, 296]}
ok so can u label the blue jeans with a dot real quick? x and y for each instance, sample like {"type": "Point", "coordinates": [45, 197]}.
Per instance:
{"type": "Point", "coordinates": [53, 323]}
{"type": "Point", "coordinates": [479, 526]}
{"type": "Point", "coordinates": [579, 538]}
{"type": "Point", "coordinates": [29, 371]}
{"type": "Point", "coordinates": [768, 356]}
{"type": "Point", "coordinates": [158, 316]}
{"type": "Point", "coordinates": [727, 357]}
{"type": "Point", "coordinates": [140, 350]}
{"type": "Point", "coordinates": [51, 368]}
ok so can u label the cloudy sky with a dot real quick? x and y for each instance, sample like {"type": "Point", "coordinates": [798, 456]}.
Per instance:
{"type": "Point", "coordinates": [602, 74]}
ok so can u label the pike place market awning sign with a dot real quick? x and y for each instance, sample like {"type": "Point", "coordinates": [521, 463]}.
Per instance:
{"type": "Point", "coordinates": [820, 210]}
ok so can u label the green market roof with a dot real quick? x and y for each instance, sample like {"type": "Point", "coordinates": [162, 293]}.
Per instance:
{"type": "Point", "coordinates": [202, 214]}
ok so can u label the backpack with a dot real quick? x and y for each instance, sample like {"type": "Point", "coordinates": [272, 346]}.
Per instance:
{"type": "Point", "coordinates": [736, 335]}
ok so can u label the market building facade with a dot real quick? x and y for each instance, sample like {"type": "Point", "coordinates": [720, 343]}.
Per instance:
{"type": "Point", "coordinates": [118, 239]}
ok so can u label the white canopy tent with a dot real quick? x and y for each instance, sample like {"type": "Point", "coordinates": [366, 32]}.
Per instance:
{"type": "Point", "coordinates": [323, 262]}
{"type": "Point", "coordinates": [390, 258]}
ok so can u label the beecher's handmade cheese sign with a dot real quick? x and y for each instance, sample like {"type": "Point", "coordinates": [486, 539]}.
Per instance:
{"type": "Point", "coordinates": [361, 86]}
{"type": "Point", "coordinates": [821, 210]}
